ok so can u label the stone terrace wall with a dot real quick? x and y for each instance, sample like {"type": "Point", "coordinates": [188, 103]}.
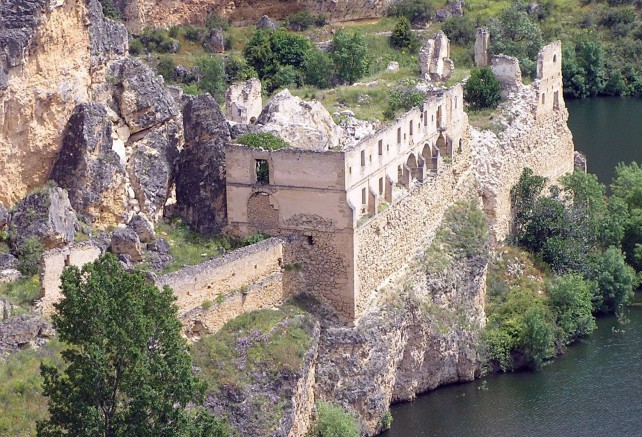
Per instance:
{"type": "Point", "coordinates": [394, 237]}
{"type": "Point", "coordinates": [214, 292]}
{"type": "Point", "coordinates": [52, 264]}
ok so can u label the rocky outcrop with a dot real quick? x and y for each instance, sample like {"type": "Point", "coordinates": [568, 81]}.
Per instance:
{"type": "Point", "coordinates": [200, 166]}
{"type": "Point", "coordinates": [215, 41]}
{"type": "Point", "coordinates": [46, 215]}
{"type": "Point", "coordinates": [21, 331]}
{"type": "Point", "coordinates": [305, 125]}
{"type": "Point", "coordinates": [53, 55]}
{"type": "Point", "coordinates": [125, 242]}
{"type": "Point", "coordinates": [143, 228]}
{"type": "Point", "coordinates": [266, 22]}
{"type": "Point", "coordinates": [4, 217]}
{"type": "Point", "coordinates": [89, 167]}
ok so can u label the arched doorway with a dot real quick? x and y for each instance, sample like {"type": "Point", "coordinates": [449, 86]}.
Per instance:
{"type": "Point", "coordinates": [263, 212]}
{"type": "Point", "coordinates": [413, 168]}
{"type": "Point", "coordinates": [442, 145]}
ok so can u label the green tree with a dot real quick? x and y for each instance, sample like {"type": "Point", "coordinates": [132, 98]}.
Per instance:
{"type": "Point", "coordinates": [212, 71]}
{"type": "Point", "coordinates": [166, 68]}
{"type": "Point", "coordinates": [419, 12]}
{"type": "Point", "coordinates": [482, 90]}
{"type": "Point", "coordinates": [402, 36]}
{"type": "Point", "coordinates": [616, 281]}
{"type": "Point", "coordinates": [538, 337]}
{"type": "Point", "coordinates": [236, 68]}
{"type": "Point", "coordinates": [570, 300]}
{"type": "Point", "coordinates": [129, 372]}
{"type": "Point", "coordinates": [319, 69]}
{"type": "Point", "coordinates": [258, 53]}
{"type": "Point", "coordinates": [350, 55]}
{"type": "Point", "coordinates": [460, 30]}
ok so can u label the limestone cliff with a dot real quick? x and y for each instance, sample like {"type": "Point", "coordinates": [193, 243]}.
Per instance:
{"type": "Point", "coordinates": [140, 13]}
{"type": "Point", "coordinates": [53, 53]}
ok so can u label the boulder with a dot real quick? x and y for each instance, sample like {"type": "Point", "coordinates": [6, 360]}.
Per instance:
{"type": "Point", "coordinates": [442, 15]}
{"type": "Point", "coordinates": [393, 66]}
{"type": "Point", "coordinates": [9, 275]}
{"type": "Point", "coordinates": [200, 167]}
{"type": "Point", "coordinates": [8, 262]}
{"type": "Point", "coordinates": [151, 166]}
{"type": "Point", "coordinates": [306, 125]}
{"type": "Point", "coordinates": [124, 241]}
{"type": "Point", "coordinates": [159, 256]}
{"type": "Point", "coordinates": [46, 215]}
{"type": "Point", "coordinates": [215, 41]}
{"type": "Point", "coordinates": [90, 168]}
{"type": "Point", "coordinates": [266, 22]}
{"type": "Point", "coordinates": [456, 7]}
{"type": "Point", "coordinates": [236, 130]}
{"type": "Point", "coordinates": [141, 96]}
{"type": "Point", "coordinates": [143, 228]}
{"type": "Point", "coordinates": [21, 331]}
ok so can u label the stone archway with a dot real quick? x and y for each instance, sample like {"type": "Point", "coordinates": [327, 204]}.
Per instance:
{"type": "Point", "coordinates": [263, 212]}
{"type": "Point", "coordinates": [428, 155]}
{"type": "Point", "coordinates": [412, 166]}
{"type": "Point", "coordinates": [442, 145]}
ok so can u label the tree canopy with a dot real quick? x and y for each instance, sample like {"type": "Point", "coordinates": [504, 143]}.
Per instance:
{"type": "Point", "coordinates": [129, 372]}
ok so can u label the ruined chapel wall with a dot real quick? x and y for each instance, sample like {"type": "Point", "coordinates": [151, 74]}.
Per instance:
{"type": "Point", "coordinates": [549, 84]}
{"type": "Point", "coordinates": [53, 263]}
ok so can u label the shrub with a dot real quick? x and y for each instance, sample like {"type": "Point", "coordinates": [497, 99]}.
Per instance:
{"type": "Point", "coordinates": [194, 34]}
{"type": "Point", "coordinates": [212, 76]}
{"type": "Point", "coordinates": [318, 69]}
{"type": "Point", "coordinates": [570, 301]}
{"type": "Point", "coordinates": [334, 421]}
{"type": "Point", "coordinates": [402, 37]}
{"type": "Point", "coordinates": [136, 47]}
{"type": "Point", "coordinates": [263, 140]}
{"type": "Point", "coordinates": [482, 89]}
{"type": "Point", "coordinates": [166, 68]}
{"type": "Point", "coordinates": [350, 55]}
{"type": "Point", "coordinates": [110, 10]}
{"type": "Point", "coordinates": [616, 281]}
{"type": "Point", "coordinates": [157, 40]}
{"type": "Point", "coordinates": [285, 76]}
{"type": "Point", "coordinates": [460, 29]}
{"type": "Point", "coordinates": [237, 69]}
{"type": "Point", "coordinates": [215, 21]}
{"type": "Point", "coordinates": [538, 336]}
{"type": "Point", "coordinates": [299, 21]}
{"type": "Point", "coordinates": [418, 12]}
{"type": "Point", "coordinates": [29, 253]}
{"type": "Point", "coordinates": [403, 98]}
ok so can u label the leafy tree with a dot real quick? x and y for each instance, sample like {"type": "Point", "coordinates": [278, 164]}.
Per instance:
{"type": "Point", "coordinates": [616, 281]}
{"type": "Point", "coordinates": [258, 53]}
{"type": "Point", "coordinates": [289, 48]}
{"type": "Point", "coordinates": [128, 371]}
{"type": "Point", "coordinates": [402, 37]}
{"type": "Point", "coordinates": [583, 67]}
{"type": "Point", "coordinates": [29, 252]}
{"type": "Point", "coordinates": [460, 29]}
{"type": "Point", "coordinates": [538, 336]}
{"type": "Point", "coordinates": [212, 73]}
{"type": "Point", "coordinates": [237, 69]}
{"type": "Point", "coordinates": [627, 188]}
{"type": "Point", "coordinates": [514, 33]}
{"type": "Point", "coordinates": [570, 300]}
{"type": "Point", "coordinates": [319, 69]}
{"type": "Point", "coordinates": [166, 68]}
{"type": "Point", "coordinates": [334, 421]}
{"type": "Point", "coordinates": [350, 55]}
{"type": "Point", "coordinates": [285, 76]}
{"type": "Point", "coordinates": [418, 12]}
{"type": "Point", "coordinates": [482, 90]}
{"type": "Point", "coordinates": [110, 10]}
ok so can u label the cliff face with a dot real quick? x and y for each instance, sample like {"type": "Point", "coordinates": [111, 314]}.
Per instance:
{"type": "Point", "coordinates": [54, 54]}
{"type": "Point", "coordinates": [140, 13]}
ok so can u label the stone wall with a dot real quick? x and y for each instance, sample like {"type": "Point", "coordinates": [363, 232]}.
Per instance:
{"type": "Point", "coordinates": [52, 264]}
{"type": "Point", "coordinates": [214, 292]}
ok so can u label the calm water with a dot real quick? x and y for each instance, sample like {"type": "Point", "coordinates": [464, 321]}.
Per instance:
{"type": "Point", "coordinates": [607, 130]}
{"type": "Point", "coordinates": [596, 388]}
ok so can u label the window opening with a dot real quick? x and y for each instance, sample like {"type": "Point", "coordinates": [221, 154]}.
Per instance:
{"type": "Point", "coordinates": [363, 158]}
{"type": "Point", "coordinates": [262, 171]}
{"type": "Point", "coordinates": [380, 147]}
{"type": "Point", "coordinates": [363, 196]}
{"type": "Point", "coordinates": [380, 186]}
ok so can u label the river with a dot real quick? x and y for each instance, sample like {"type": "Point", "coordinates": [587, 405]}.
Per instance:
{"type": "Point", "coordinates": [595, 389]}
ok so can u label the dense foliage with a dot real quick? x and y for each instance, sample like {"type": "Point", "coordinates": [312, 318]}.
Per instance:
{"type": "Point", "coordinates": [402, 37]}
{"type": "Point", "coordinates": [128, 371]}
{"type": "Point", "coordinates": [262, 140]}
{"type": "Point", "coordinates": [418, 12]}
{"type": "Point", "coordinates": [350, 55]}
{"type": "Point", "coordinates": [403, 98]}
{"type": "Point", "coordinates": [334, 421]}
{"type": "Point", "coordinates": [482, 90]}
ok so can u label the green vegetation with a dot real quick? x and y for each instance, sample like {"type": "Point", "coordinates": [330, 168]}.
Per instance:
{"type": "Point", "coordinates": [21, 401]}
{"type": "Point", "coordinates": [128, 372]}
{"type": "Point", "coordinates": [110, 10]}
{"type": "Point", "coordinates": [212, 76]}
{"type": "Point", "coordinates": [403, 98]}
{"type": "Point", "coordinates": [482, 89]}
{"type": "Point", "coordinates": [402, 37]}
{"type": "Point", "coordinates": [350, 55]}
{"type": "Point", "coordinates": [334, 421]}
{"type": "Point", "coordinates": [22, 292]}
{"type": "Point", "coordinates": [418, 12]}
{"type": "Point", "coordinates": [303, 20]}
{"type": "Point", "coordinates": [29, 252]}
{"type": "Point", "coordinates": [263, 140]}
{"type": "Point", "coordinates": [191, 248]}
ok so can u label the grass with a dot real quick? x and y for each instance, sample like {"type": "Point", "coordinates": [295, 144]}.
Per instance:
{"type": "Point", "coordinates": [21, 401]}
{"type": "Point", "coordinates": [21, 292]}
{"type": "Point", "coordinates": [267, 340]}
{"type": "Point", "coordinates": [191, 248]}
{"type": "Point", "coordinates": [483, 118]}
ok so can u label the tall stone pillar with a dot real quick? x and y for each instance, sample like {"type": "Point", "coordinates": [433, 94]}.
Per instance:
{"type": "Point", "coordinates": [482, 46]}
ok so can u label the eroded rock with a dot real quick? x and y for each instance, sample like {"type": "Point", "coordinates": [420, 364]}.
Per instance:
{"type": "Point", "coordinates": [215, 41]}
{"type": "Point", "coordinates": [143, 228]}
{"type": "Point", "coordinates": [266, 22]}
{"type": "Point", "coordinates": [124, 241]}
{"type": "Point", "coordinates": [21, 331]}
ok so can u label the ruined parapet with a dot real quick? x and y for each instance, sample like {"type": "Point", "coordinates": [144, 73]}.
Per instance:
{"type": "Point", "coordinates": [482, 46]}
{"type": "Point", "coordinates": [53, 263]}
{"type": "Point", "coordinates": [549, 80]}
{"type": "Point", "coordinates": [434, 59]}
{"type": "Point", "coordinates": [506, 70]}
{"type": "Point", "coordinates": [243, 103]}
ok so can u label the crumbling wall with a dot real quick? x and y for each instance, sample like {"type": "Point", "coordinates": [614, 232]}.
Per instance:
{"type": "Point", "coordinates": [216, 291]}
{"type": "Point", "coordinates": [243, 101]}
{"type": "Point", "coordinates": [53, 263]}
{"type": "Point", "coordinates": [482, 47]}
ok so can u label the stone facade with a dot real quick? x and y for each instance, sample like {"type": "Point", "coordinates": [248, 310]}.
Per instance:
{"type": "Point", "coordinates": [482, 47]}
{"type": "Point", "coordinates": [434, 58]}
{"type": "Point", "coordinates": [243, 102]}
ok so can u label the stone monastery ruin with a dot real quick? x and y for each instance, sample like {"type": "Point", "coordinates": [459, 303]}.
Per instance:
{"type": "Point", "coordinates": [346, 217]}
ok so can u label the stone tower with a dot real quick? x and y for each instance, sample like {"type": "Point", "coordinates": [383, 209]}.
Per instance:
{"type": "Point", "coordinates": [482, 45]}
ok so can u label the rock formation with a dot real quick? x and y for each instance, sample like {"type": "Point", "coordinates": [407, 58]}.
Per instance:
{"type": "Point", "coordinates": [46, 215]}
{"type": "Point", "coordinates": [306, 125]}
{"type": "Point", "coordinates": [434, 61]}
{"type": "Point", "coordinates": [200, 167]}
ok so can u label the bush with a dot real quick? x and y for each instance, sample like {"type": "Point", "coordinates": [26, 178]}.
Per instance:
{"type": "Point", "coordinates": [418, 12]}
{"type": "Point", "coordinates": [157, 40]}
{"type": "Point", "coordinates": [616, 281]}
{"type": "Point", "coordinates": [212, 76]}
{"type": "Point", "coordinates": [110, 10]}
{"type": "Point", "coordinates": [215, 21]}
{"type": "Point", "coordinates": [318, 69]}
{"type": "Point", "coordinates": [166, 68]}
{"type": "Point", "coordinates": [264, 140]}
{"type": "Point", "coordinates": [237, 69]}
{"type": "Point", "coordinates": [334, 421]}
{"type": "Point", "coordinates": [29, 253]}
{"type": "Point", "coordinates": [303, 20]}
{"type": "Point", "coordinates": [402, 37]}
{"type": "Point", "coordinates": [350, 55]}
{"type": "Point", "coordinates": [136, 47]}
{"type": "Point", "coordinates": [194, 34]}
{"type": "Point", "coordinates": [460, 29]}
{"type": "Point", "coordinates": [570, 301]}
{"type": "Point", "coordinates": [285, 76]}
{"type": "Point", "coordinates": [482, 90]}
{"type": "Point", "coordinates": [403, 99]}
{"type": "Point", "coordinates": [538, 336]}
